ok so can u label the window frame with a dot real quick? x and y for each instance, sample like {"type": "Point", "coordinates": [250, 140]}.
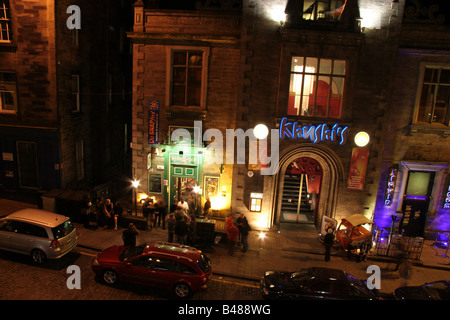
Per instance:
{"type": "Point", "coordinates": [75, 94]}
{"type": "Point", "coordinates": [420, 86]}
{"type": "Point", "coordinates": [5, 6]}
{"type": "Point", "coordinates": [13, 92]}
{"type": "Point", "coordinates": [204, 78]}
{"type": "Point", "coordinates": [316, 76]}
{"type": "Point", "coordinates": [79, 158]}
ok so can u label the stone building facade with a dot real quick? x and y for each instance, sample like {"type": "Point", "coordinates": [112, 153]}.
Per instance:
{"type": "Point", "coordinates": [315, 73]}
{"type": "Point", "coordinates": [65, 100]}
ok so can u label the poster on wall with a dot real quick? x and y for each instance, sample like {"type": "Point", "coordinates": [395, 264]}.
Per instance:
{"type": "Point", "coordinates": [153, 121]}
{"type": "Point", "coordinates": [358, 168]}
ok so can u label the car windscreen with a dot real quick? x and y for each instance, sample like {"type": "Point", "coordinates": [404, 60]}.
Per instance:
{"type": "Point", "coordinates": [63, 229]}
{"type": "Point", "coordinates": [204, 263]}
{"type": "Point", "coordinates": [132, 252]}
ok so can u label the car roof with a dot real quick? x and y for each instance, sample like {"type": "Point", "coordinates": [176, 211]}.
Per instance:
{"type": "Point", "coordinates": [328, 274]}
{"type": "Point", "coordinates": [173, 249]}
{"type": "Point", "coordinates": [38, 216]}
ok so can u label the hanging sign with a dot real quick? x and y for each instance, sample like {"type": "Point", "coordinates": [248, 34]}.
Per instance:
{"type": "Point", "coordinates": [447, 198]}
{"type": "Point", "coordinates": [153, 121]}
{"type": "Point", "coordinates": [390, 187]}
{"type": "Point", "coordinates": [358, 168]}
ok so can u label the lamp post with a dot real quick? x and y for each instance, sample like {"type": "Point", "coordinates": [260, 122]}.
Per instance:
{"type": "Point", "coordinates": [135, 184]}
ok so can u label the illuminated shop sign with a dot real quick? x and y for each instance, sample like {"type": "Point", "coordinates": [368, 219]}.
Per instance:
{"type": "Point", "coordinates": [153, 121]}
{"type": "Point", "coordinates": [447, 198]}
{"type": "Point", "coordinates": [390, 187]}
{"type": "Point", "coordinates": [315, 133]}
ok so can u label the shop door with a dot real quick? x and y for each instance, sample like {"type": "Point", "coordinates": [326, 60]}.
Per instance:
{"type": "Point", "coordinates": [301, 191]}
{"type": "Point", "coordinates": [27, 163]}
{"type": "Point", "coordinates": [416, 201]}
{"type": "Point", "coordinates": [182, 182]}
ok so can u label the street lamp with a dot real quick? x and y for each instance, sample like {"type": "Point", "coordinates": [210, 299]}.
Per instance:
{"type": "Point", "coordinates": [135, 184]}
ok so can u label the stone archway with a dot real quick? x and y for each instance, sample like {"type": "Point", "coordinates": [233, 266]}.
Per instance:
{"type": "Point", "coordinates": [332, 177]}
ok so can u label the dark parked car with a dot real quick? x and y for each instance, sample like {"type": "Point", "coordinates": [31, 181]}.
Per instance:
{"type": "Point", "coordinates": [437, 290]}
{"type": "Point", "coordinates": [315, 283]}
{"type": "Point", "coordinates": [182, 269]}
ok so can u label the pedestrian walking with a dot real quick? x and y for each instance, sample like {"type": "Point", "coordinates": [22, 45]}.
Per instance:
{"type": "Point", "coordinates": [162, 214]}
{"type": "Point", "coordinates": [170, 227]}
{"type": "Point", "coordinates": [147, 213]}
{"type": "Point", "coordinates": [118, 211]}
{"type": "Point", "coordinates": [233, 238]}
{"type": "Point", "coordinates": [129, 235]}
{"type": "Point", "coordinates": [157, 215]}
{"type": "Point", "coordinates": [206, 208]}
{"type": "Point", "coordinates": [108, 212]}
{"type": "Point", "coordinates": [404, 271]}
{"type": "Point", "coordinates": [328, 241]}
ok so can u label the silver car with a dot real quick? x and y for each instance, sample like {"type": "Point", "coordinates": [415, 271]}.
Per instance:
{"type": "Point", "coordinates": [41, 234]}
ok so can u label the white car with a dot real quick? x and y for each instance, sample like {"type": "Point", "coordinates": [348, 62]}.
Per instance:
{"type": "Point", "coordinates": [41, 234]}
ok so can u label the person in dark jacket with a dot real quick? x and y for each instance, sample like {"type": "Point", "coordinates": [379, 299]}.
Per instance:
{"type": "Point", "coordinates": [328, 241]}
{"type": "Point", "coordinates": [129, 235]}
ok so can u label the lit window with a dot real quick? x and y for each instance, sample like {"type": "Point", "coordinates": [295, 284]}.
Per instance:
{"type": "Point", "coordinates": [187, 74]}
{"type": "Point", "coordinates": [322, 9]}
{"type": "Point", "coordinates": [434, 96]}
{"type": "Point", "coordinates": [5, 21]}
{"type": "Point", "coordinates": [255, 201]}
{"type": "Point", "coordinates": [8, 92]}
{"type": "Point", "coordinates": [316, 87]}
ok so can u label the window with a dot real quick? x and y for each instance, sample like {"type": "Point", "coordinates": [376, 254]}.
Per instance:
{"type": "Point", "coordinates": [80, 159]}
{"type": "Point", "coordinates": [8, 92]}
{"type": "Point", "coordinates": [5, 21]}
{"type": "Point", "coordinates": [316, 87]}
{"type": "Point", "coordinates": [434, 95]}
{"type": "Point", "coordinates": [187, 78]}
{"type": "Point", "coordinates": [75, 93]}
{"type": "Point", "coordinates": [322, 9]}
{"type": "Point", "coordinates": [255, 201]}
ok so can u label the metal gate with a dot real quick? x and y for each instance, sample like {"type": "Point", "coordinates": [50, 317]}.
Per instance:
{"type": "Point", "coordinates": [398, 245]}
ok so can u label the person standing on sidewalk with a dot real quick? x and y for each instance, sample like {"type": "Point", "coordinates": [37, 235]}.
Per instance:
{"type": "Point", "coordinates": [233, 238]}
{"type": "Point", "coordinates": [328, 241]}
{"type": "Point", "coordinates": [129, 235]}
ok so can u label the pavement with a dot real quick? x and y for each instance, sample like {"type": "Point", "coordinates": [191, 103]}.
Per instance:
{"type": "Point", "coordinates": [288, 248]}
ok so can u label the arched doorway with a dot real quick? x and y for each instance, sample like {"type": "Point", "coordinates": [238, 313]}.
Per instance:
{"type": "Point", "coordinates": [316, 159]}
{"type": "Point", "coordinates": [301, 191]}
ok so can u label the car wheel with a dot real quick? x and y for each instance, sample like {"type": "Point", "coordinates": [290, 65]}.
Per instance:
{"type": "Point", "coordinates": [110, 277]}
{"type": "Point", "coordinates": [182, 290]}
{"type": "Point", "coordinates": [38, 256]}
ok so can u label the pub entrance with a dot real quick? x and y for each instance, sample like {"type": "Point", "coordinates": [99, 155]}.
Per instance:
{"type": "Point", "coordinates": [301, 191]}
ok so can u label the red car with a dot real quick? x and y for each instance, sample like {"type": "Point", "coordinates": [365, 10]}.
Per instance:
{"type": "Point", "coordinates": [182, 269]}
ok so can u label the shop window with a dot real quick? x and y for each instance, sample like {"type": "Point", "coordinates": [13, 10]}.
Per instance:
{"type": "Point", "coordinates": [316, 87]}
{"type": "Point", "coordinates": [255, 202]}
{"type": "Point", "coordinates": [8, 92]}
{"type": "Point", "coordinates": [432, 105]}
{"type": "Point", "coordinates": [188, 78]}
{"type": "Point", "coordinates": [5, 21]}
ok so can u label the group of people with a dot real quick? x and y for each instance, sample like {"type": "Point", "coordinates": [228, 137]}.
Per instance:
{"type": "Point", "coordinates": [102, 214]}
{"type": "Point", "coordinates": [182, 225]}
{"type": "Point", "coordinates": [237, 232]}
{"type": "Point", "coordinates": [154, 214]}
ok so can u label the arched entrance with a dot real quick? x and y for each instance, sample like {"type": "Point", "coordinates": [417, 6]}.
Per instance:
{"type": "Point", "coordinates": [301, 191]}
{"type": "Point", "coordinates": [319, 174]}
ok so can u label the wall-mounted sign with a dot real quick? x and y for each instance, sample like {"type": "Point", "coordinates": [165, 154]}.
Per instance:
{"type": "Point", "coordinates": [358, 168]}
{"type": "Point", "coordinates": [390, 186]}
{"type": "Point", "coordinates": [315, 133]}
{"type": "Point", "coordinates": [153, 121]}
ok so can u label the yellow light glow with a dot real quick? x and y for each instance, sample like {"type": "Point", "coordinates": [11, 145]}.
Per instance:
{"type": "Point", "coordinates": [217, 203]}
{"type": "Point", "coordinates": [371, 18]}
{"type": "Point", "coordinates": [276, 13]}
{"type": "Point", "coordinates": [135, 183]}
{"type": "Point", "coordinates": [261, 131]}
{"type": "Point", "coordinates": [362, 139]}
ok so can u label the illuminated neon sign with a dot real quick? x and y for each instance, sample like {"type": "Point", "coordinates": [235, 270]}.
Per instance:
{"type": "Point", "coordinates": [315, 133]}
{"type": "Point", "coordinates": [447, 198]}
{"type": "Point", "coordinates": [390, 187]}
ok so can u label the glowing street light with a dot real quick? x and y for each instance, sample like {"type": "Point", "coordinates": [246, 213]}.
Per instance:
{"type": "Point", "coordinates": [135, 184]}
{"type": "Point", "coordinates": [362, 139]}
{"type": "Point", "coordinates": [261, 131]}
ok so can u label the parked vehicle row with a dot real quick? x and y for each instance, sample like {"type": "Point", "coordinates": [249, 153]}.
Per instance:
{"type": "Point", "coordinates": [182, 269]}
